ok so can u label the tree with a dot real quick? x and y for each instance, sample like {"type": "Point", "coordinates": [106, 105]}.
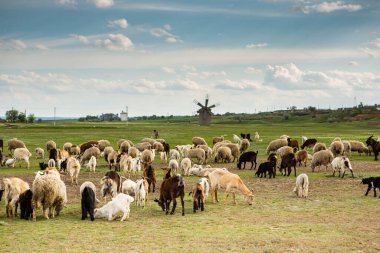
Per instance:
{"type": "Point", "coordinates": [31, 118]}
{"type": "Point", "coordinates": [11, 115]}
{"type": "Point", "coordinates": [22, 117]}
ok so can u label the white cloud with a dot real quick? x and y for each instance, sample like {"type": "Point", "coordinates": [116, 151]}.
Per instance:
{"type": "Point", "coordinates": [82, 39]}
{"type": "Point", "coordinates": [102, 3]}
{"type": "Point", "coordinates": [160, 32]}
{"type": "Point", "coordinates": [239, 85]}
{"type": "Point", "coordinates": [19, 45]}
{"type": "Point", "coordinates": [164, 32]}
{"type": "Point", "coordinates": [327, 7]}
{"type": "Point", "coordinates": [260, 45]}
{"type": "Point", "coordinates": [252, 70]}
{"type": "Point", "coordinates": [67, 2]}
{"type": "Point", "coordinates": [353, 63]}
{"type": "Point", "coordinates": [41, 47]}
{"type": "Point", "coordinates": [168, 70]}
{"type": "Point", "coordinates": [376, 43]}
{"type": "Point", "coordinates": [116, 42]}
{"type": "Point", "coordinates": [370, 52]}
{"type": "Point", "coordinates": [167, 27]}
{"type": "Point", "coordinates": [121, 23]}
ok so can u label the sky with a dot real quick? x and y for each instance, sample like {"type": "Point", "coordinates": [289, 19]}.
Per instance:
{"type": "Point", "coordinates": [88, 57]}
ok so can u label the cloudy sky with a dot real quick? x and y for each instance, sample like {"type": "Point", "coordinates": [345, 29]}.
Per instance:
{"type": "Point", "coordinates": [87, 57]}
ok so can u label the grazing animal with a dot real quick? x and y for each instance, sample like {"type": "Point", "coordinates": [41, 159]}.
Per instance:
{"type": "Point", "coordinates": [272, 158]}
{"type": "Point", "coordinates": [341, 164]}
{"type": "Point", "coordinates": [43, 165]}
{"type": "Point", "coordinates": [249, 156]}
{"type": "Point", "coordinates": [323, 157]}
{"type": "Point", "coordinates": [120, 203]}
{"type": "Point", "coordinates": [375, 146]}
{"type": "Point", "coordinates": [88, 203]}
{"type": "Point", "coordinates": [185, 166]}
{"type": "Point", "coordinates": [84, 146]}
{"type": "Point", "coordinates": [13, 187]}
{"type": "Point", "coordinates": [128, 187]}
{"type": "Point", "coordinates": [140, 193]}
{"type": "Point", "coordinates": [110, 184]}
{"type": "Point", "coordinates": [318, 147]}
{"type": "Point", "coordinates": [53, 154]}
{"type": "Point", "coordinates": [265, 167]}
{"type": "Point", "coordinates": [206, 187]}
{"type": "Point", "coordinates": [171, 189]}
{"type": "Point", "coordinates": [92, 164]}
{"type": "Point", "coordinates": [244, 145]}
{"type": "Point", "coordinates": [40, 153]}
{"type": "Point", "coordinates": [25, 200]}
{"type": "Point", "coordinates": [302, 186]}
{"type": "Point", "coordinates": [309, 143]}
{"type": "Point", "coordinates": [150, 176]}
{"type": "Point", "coordinates": [22, 154]}
{"type": "Point", "coordinates": [288, 161]}
{"type": "Point", "coordinates": [73, 167]}
{"type": "Point", "coordinates": [236, 139]}
{"type": "Point", "coordinates": [301, 156]}
{"type": "Point", "coordinates": [372, 182]}
{"type": "Point", "coordinates": [337, 148]}
{"type": "Point", "coordinates": [14, 143]}
{"type": "Point", "coordinates": [276, 144]}
{"type": "Point", "coordinates": [198, 197]}
{"type": "Point", "coordinates": [293, 143]}
{"type": "Point", "coordinates": [173, 165]}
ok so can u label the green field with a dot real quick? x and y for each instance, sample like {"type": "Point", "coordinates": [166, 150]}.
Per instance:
{"type": "Point", "coordinates": [335, 218]}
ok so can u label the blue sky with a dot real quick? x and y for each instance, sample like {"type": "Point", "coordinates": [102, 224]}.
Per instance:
{"type": "Point", "coordinates": [95, 56]}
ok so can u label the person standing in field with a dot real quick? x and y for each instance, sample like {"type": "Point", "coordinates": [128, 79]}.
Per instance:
{"type": "Point", "coordinates": [155, 134]}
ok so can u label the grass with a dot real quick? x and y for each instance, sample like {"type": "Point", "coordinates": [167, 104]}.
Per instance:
{"type": "Point", "coordinates": [335, 218]}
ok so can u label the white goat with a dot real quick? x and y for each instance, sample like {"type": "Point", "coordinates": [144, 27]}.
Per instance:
{"type": "Point", "coordinates": [341, 164]}
{"type": "Point", "coordinates": [140, 193]}
{"type": "Point", "coordinates": [92, 163]}
{"type": "Point", "coordinates": [302, 186]}
{"type": "Point", "coordinates": [128, 187]}
{"type": "Point", "coordinates": [120, 203]}
{"type": "Point", "coordinates": [173, 165]}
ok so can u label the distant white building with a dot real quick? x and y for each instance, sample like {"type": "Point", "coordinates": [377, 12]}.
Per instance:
{"type": "Point", "coordinates": [124, 116]}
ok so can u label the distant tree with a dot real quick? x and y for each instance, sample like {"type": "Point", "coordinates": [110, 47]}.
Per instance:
{"type": "Point", "coordinates": [11, 115]}
{"type": "Point", "coordinates": [31, 118]}
{"type": "Point", "coordinates": [361, 105]}
{"type": "Point", "coordinates": [22, 117]}
{"type": "Point", "coordinates": [39, 120]}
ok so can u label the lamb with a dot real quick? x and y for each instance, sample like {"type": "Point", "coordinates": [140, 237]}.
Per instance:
{"type": "Point", "coordinates": [347, 148]}
{"type": "Point", "coordinates": [196, 153]}
{"type": "Point", "coordinates": [124, 147]}
{"type": "Point", "coordinates": [92, 151]}
{"type": "Point", "coordinates": [231, 182]}
{"type": "Point", "coordinates": [341, 164]}
{"type": "Point", "coordinates": [323, 157]}
{"type": "Point", "coordinates": [73, 167]}
{"type": "Point", "coordinates": [14, 143]}
{"type": "Point", "coordinates": [337, 148]}
{"type": "Point", "coordinates": [309, 143]}
{"type": "Point", "coordinates": [206, 149]}
{"type": "Point", "coordinates": [25, 200]}
{"type": "Point", "coordinates": [102, 144]}
{"type": "Point", "coordinates": [283, 151]}
{"type": "Point", "coordinates": [318, 147]}
{"type": "Point", "coordinates": [67, 146]}
{"type": "Point", "coordinates": [185, 166]}
{"type": "Point", "coordinates": [133, 152]}
{"type": "Point", "coordinates": [13, 187]}
{"type": "Point", "coordinates": [174, 154]}
{"type": "Point", "coordinates": [205, 185]}
{"type": "Point", "coordinates": [51, 163]}
{"type": "Point", "coordinates": [50, 193]}
{"type": "Point", "coordinates": [198, 197]}
{"type": "Point", "coordinates": [301, 156]}
{"type": "Point", "coordinates": [372, 182]}
{"type": "Point", "coordinates": [302, 186]}
{"type": "Point", "coordinates": [244, 145]}
{"type": "Point", "coordinates": [40, 153]}
{"type": "Point", "coordinates": [147, 156]}
{"type": "Point", "coordinates": [121, 203]}
{"type": "Point", "coordinates": [171, 189]}
{"type": "Point", "coordinates": [265, 167]}
{"type": "Point", "coordinates": [217, 139]}
{"type": "Point", "coordinates": [50, 145]}
{"type": "Point", "coordinates": [250, 156]}
{"type": "Point", "coordinates": [110, 184]}
{"type": "Point", "coordinates": [223, 154]}
{"type": "Point", "coordinates": [22, 154]}
{"type": "Point", "coordinates": [198, 141]}
{"type": "Point", "coordinates": [236, 139]}
{"type": "Point", "coordinates": [288, 161]}
{"type": "Point", "coordinates": [150, 176]}
{"type": "Point", "coordinates": [84, 146]}
{"type": "Point", "coordinates": [90, 185]}
{"type": "Point", "coordinates": [140, 193]}
{"type": "Point", "coordinates": [88, 203]}
{"type": "Point", "coordinates": [128, 187]}
{"type": "Point", "coordinates": [173, 165]}
{"type": "Point", "coordinates": [92, 164]}
{"type": "Point", "coordinates": [276, 144]}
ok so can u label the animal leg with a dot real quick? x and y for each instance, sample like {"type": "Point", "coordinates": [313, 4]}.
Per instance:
{"type": "Point", "coordinates": [174, 205]}
{"type": "Point", "coordinates": [167, 205]}
{"type": "Point", "coordinates": [225, 201]}
{"type": "Point", "coordinates": [234, 198]}
{"type": "Point", "coordinates": [183, 206]}
{"type": "Point", "coordinates": [352, 173]}
{"type": "Point", "coordinates": [368, 189]}
{"type": "Point", "coordinates": [84, 213]}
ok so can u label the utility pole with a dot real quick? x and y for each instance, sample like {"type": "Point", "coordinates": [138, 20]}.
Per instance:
{"type": "Point", "coordinates": [54, 114]}
{"type": "Point", "coordinates": [126, 111]}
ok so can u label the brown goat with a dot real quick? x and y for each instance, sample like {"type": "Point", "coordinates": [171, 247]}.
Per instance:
{"type": "Point", "coordinates": [150, 176]}
{"type": "Point", "coordinates": [198, 197]}
{"type": "Point", "coordinates": [171, 189]}
{"type": "Point", "coordinates": [293, 144]}
{"type": "Point", "coordinates": [84, 146]}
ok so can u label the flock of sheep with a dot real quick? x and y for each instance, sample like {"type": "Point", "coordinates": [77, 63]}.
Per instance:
{"type": "Point", "coordinates": [49, 190]}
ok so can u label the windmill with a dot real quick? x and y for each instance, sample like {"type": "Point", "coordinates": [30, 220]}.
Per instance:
{"type": "Point", "coordinates": [205, 111]}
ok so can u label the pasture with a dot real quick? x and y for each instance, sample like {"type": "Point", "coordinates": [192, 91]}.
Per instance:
{"type": "Point", "coordinates": [336, 217]}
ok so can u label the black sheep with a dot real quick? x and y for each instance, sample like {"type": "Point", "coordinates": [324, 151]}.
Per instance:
{"type": "Point", "coordinates": [25, 200]}
{"type": "Point", "coordinates": [248, 157]}
{"type": "Point", "coordinates": [265, 167]}
{"type": "Point", "coordinates": [88, 203]}
{"type": "Point", "coordinates": [288, 161]}
{"type": "Point", "coordinates": [375, 146]}
{"type": "Point", "coordinates": [372, 182]}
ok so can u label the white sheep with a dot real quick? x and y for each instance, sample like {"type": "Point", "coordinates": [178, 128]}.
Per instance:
{"type": "Point", "coordinates": [174, 154]}
{"type": "Point", "coordinates": [183, 149]}
{"type": "Point", "coordinates": [22, 154]}
{"type": "Point", "coordinates": [147, 156]}
{"type": "Point", "coordinates": [10, 162]}
{"type": "Point", "coordinates": [13, 187]}
{"type": "Point", "coordinates": [281, 152]}
{"type": "Point", "coordinates": [128, 187]}
{"type": "Point", "coordinates": [92, 164]}
{"type": "Point", "coordinates": [276, 144]}
{"type": "Point", "coordinates": [140, 193]}
{"type": "Point", "coordinates": [236, 139]}
{"type": "Point", "coordinates": [185, 166]}
{"type": "Point", "coordinates": [120, 203]}
{"type": "Point", "coordinates": [198, 141]}
{"type": "Point", "coordinates": [257, 136]}
{"type": "Point", "coordinates": [206, 186]}
{"type": "Point", "coordinates": [73, 167]}
{"type": "Point", "coordinates": [40, 153]}
{"type": "Point", "coordinates": [341, 164]}
{"type": "Point", "coordinates": [302, 186]}
{"type": "Point", "coordinates": [323, 157]}
{"type": "Point", "coordinates": [196, 153]}
{"type": "Point", "coordinates": [51, 163]}
{"type": "Point", "coordinates": [173, 165]}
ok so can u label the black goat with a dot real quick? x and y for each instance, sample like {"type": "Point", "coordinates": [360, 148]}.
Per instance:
{"type": "Point", "coordinates": [309, 143]}
{"type": "Point", "coordinates": [288, 161]}
{"type": "Point", "coordinates": [265, 167]}
{"type": "Point", "coordinates": [372, 182]}
{"type": "Point", "coordinates": [249, 156]}
{"type": "Point", "coordinates": [171, 189]}
{"type": "Point", "coordinates": [25, 200]}
{"type": "Point", "coordinates": [246, 136]}
{"type": "Point", "coordinates": [53, 154]}
{"type": "Point", "coordinates": [43, 165]}
{"type": "Point", "coordinates": [375, 146]}
{"type": "Point", "coordinates": [88, 203]}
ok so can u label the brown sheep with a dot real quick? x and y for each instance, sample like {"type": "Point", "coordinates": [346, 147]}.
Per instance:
{"type": "Point", "coordinates": [14, 143]}
{"type": "Point", "coordinates": [301, 156]}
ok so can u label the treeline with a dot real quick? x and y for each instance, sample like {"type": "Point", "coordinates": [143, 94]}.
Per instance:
{"type": "Point", "coordinates": [14, 116]}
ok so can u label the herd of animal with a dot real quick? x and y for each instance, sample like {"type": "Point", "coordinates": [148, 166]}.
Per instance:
{"type": "Point", "coordinates": [49, 190]}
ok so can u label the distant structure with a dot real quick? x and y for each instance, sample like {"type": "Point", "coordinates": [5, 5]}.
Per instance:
{"type": "Point", "coordinates": [124, 115]}
{"type": "Point", "coordinates": [205, 112]}
{"type": "Point", "coordinates": [109, 117]}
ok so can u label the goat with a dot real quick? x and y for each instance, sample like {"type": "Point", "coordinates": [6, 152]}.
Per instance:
{"type": "Point", "coordinates": [309, 143]}
{"type": "Point", "coordinates": [198, 197]}
{"type": "Point", "coordinates": [374, 144]}
{"type": "Point", "coordinates": [265, 167]}
{"type": "Point", "coordinates": [288, 161]}
{"type": "Point", "coordinates": [250, 156]}
{"type": "Point", "coordinates": [372, 182]}
{"type": "Point", "coordinates": [150, 176]}
{"type": "Point", "coordinates": [171, 189]}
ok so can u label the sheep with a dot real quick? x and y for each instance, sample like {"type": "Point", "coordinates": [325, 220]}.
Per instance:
{"type": "Point", "coordinates": [143, 146]}
{"type": "Point", "coordinates": [25, 201]}
{"type": "Point", "coordinates": [162, 141]}
{"type": "Point", "coordinates": [372, 182]}
{"type": "Point", "coordinates": [112, 159]}
{"type": "Point", "coordinates": [375, 146]}
{"type": "Point", "coordinates": [149, 140]}
{"type": "Point", "coordinates": [205, 185]}
{"type": "Point", "coordinates": [140, 193]}
{"type": "Point", "coordinates": [121, 203]}
{"type": "Point", "coordinates": [22, 154]}
{"type": "Point", "coordinates": [63, 154]}
{"type": "Point", "coordinates": [147, 156]}
{"type": "Point", "coordinates": [235, 151]}
{"type": "Point", "coordinates": [13, 187]}
{"type": "Point", "coordinates": [67, 146]}
{"type": "Point", "coordinates": [284, 136]}
{"type": "Point", "coordinates": [88, 203]}
{"type": "Point", "coordinates": [126, 165]}
{"type": "Point", "coordinates": [102, 144]}
{"type": "Point", "coordinates": [74, 150]}
{"type": "Point", "coordinates": [323, 157]}
{"type": "Point", "coordinates": [173, 165]}
{"type": "Point", "coordinates": [133, 152]}
{"type": "Point", "coordinates": [301, 156]}
{"type": "Point", "coordinates": [257, 136]}
{"type": "Point", "coordinates": [150, 176]}
{"type": "Point", "coordinates": [198, 141]}
{"type": "Point", "coordinates": [319, 146]}
{"type": "Point", "coordinates": [302, 186]}
{"type": "Point", "coordinates": [106, 152]}
{"type": "Point", "coordinates": [196, 153]}
{"type": "Point", "coordinates": [158, 146]}
{"type": "Point", "coordinates": [92, 151]}
{"type": "Point", "coordinates": [347, 148]}
{"type": "Point", "coordinates": [337, 148]}
{"type": "Point", "coordinates": [119, 142]}
{"type": "Point", "coordinates": [293, 143]}
{"type": "Point", "coordinates": [198, 197]}
{"type": "Point", "coordinates": [337, 139]}
{"type": "Point", "coordinates": [265, 167]}
{"type": "Point", "coordinates": [206, 149]}
{"type": "Point", "coordinates": [217, 139]}
{"type": "Point", "coordinates": [40, 153]}
{"type": "Point", "coordinates": [50, 145]}
{"type": "Point", "coordinates": [223, 154]}
{"type": "Point", "coordinates": [51, 163]}
{"type": "Point", "coordinates": [231, 182]}
{"type": "Point", "coordinates": [14, 143]}
{"type": "Point", "coordinates": [236, 139]}
{"type": "Point", "coordinates": [92, 163]}
{"type": "Point", "coordinates": [128, 187]}
{"type": "Point", "coordinates": [183, 148]}
{"type": "Point", "coordinates": [84, 146]}
{"type": "Point", "coordinates": [185, 166]}
{"type": "Point", "coordinates": [110, 184]}
{"type": "Point", "coordinates": [276, 144]}
{"type": "Point", "coordinates": [124, 147]}
{"type": "Point", "coordinates": [50, 192]}
{"type": "Point", "coordinates": [288, 161]}
{"type": "Point", "coordinates": [244, 145]}
{"type": "Point", "coordinates": [309, 143]}
{"type": "Point", "coordinates": [250, 156]}
{"type": "Point", "coordinates": [10, 162]}
{"type": "Point", "coordinates": [171, 189]}
{"type": "Point", "coordinates": [341, 164]}
{"type": "Point", "coordinates": [174, 154]}
{"type": "Point", "coordinates": [281, 152]}
{"type": "Point", "coordinates": [88, 184]}
{"type": "Point", "coordinates": [73, 167]}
